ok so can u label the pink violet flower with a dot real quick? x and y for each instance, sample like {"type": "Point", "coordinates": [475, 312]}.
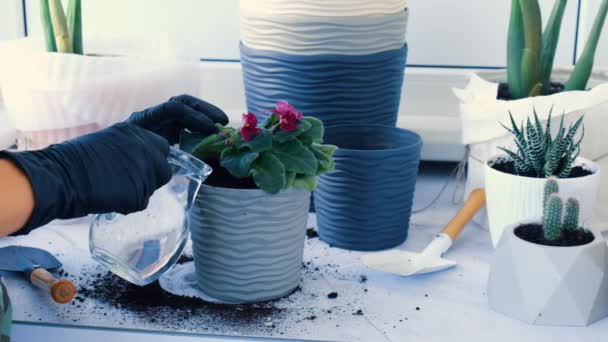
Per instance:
{"type": "Point", "coordinates": [249, 129]}
{"type": "Point", "coordinates": [288, 115]}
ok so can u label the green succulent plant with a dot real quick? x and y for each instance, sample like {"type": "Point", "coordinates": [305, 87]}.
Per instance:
{"type": "Point", "coordinates": [541, 155]}
{"type": "Point", "coordinates": [553, 207]}
{"type": "Point", "coordinates": [531, 51]}
{"type": "Point", "coordinates": [62, 32]}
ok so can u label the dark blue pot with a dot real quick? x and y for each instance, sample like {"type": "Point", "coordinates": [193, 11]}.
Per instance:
{"type": "Point", "coordinates": [337, 89]}
{"type": "Point", "coordinates": [366, 203]}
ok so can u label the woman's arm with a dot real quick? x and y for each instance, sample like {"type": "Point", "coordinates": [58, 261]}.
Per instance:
{"type": "Point", "coordinates": [16, 198]}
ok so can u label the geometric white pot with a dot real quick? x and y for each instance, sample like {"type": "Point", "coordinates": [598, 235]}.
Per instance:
{"type": "Point", "coordinates": [548, 285]}
{"type": "Point", "coordinates": [512, 199]}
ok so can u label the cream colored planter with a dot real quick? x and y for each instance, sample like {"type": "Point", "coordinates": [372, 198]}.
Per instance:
{"type": "Point", "coordinates": [549, 285]}
{"type": "Point", "coordinates": [512, 198]}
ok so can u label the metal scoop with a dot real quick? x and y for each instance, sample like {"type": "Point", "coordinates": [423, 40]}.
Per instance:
{"type": "Point", "coordinates": [34, 263]}
{"type": "Point", "coordinates": [430, 259]}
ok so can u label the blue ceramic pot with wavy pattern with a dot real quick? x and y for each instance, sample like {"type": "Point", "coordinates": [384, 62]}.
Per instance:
{"type": "Point", "coordinates": [337, 89]}
{"type": "Point", "coordinates": [366, 203]}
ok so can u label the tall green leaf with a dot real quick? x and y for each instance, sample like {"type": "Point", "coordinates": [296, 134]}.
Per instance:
{"type": "Point", "coordinates": [515, 47]}
{"type": "Point", "coordinates": [60, 27]}
{"type": "Point", "coordinates": [550, 40]}
{"type": "Point", "coordinates": [47, 26]}
{"type": "Point", "coordinates": [530, 62]}
{"type": "Point", "coordinates": [582, 71]}
{"type": "Point", "coordinates": [75, 25]}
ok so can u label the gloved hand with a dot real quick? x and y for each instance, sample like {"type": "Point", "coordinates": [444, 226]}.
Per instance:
{"type": "Point", "coordinates": [113, 170]}
{"type": "Point", "coordinates": [184, 111]}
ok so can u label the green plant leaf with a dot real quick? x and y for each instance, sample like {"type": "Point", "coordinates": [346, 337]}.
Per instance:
{"type": "Point", "coordinates": [530, 60]}
{"type": "Point", "coordinates": [60, 27]}
{"type": "Point", "coordinates": [305, 182]}
{"type": "Point", "coordinates": [189, 140]}
{"type": "Point", "coordinates": [582, 70]}
{"type": "Point", "coordinates": [238, 163]}
{"type": "Point", "coordinates": [47, 26]}
{"type": "Point", "coordinates": [315, 133]}
{"type": "Point", "coordinates": [283, 136]}
{"type": "Point", "coordinates": [296, 157]}
{"type": "Point", "coordinates": [75, 25]}
{"type": "Point", "coordinates": [324, 154]}
{"type": "Point", "coordinates": [289, 178]}
{"type": "Point", "coordinates": [260, 143]}
{"type": "Point", "coordinates": [269, 173]}
{"type": "Point", "coordinates": [515, 46]}
{"type": "Point", "coordinates": [549, 40]}
{"type": "Point", "coordinates": [270, 121]}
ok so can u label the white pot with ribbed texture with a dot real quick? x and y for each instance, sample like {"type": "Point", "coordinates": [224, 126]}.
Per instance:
{"type": "Point", "coordinates": [511, 198]}
{"type": "Point", "coordinates": [324, 35]}
{"type": "Point", "coordinates": [333, 8]}
{"type": "Point", "coordinates": [248, 245]}
{"type": "Point", "coordinates": [52, 97]}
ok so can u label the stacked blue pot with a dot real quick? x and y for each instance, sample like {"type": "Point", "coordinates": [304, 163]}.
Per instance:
{"type": "Point", "coordinates": [341, 61]}
{"type": "Point", "coordinates": [366, 203]}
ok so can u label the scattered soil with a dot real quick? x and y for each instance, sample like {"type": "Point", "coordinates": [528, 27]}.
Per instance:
{"type": "Point", "coordinates": [534, 233]}
{"type": "Point", "coordinates": [221, 178]}
{"type": "Point", "coordinates": [332, 295]}
{"type": "Point", "coordinates": [151, 301]}
{"type": "Point", "coordinates": [311, 233]}
{"type": "Point", "coordinates": [363, 279]}
{"type": "Point", "coordinates": [504, 94]}
{"type": "Point", "coordinates": [358, 313]}
{"type": "Point", "coordinates": [508, 166]}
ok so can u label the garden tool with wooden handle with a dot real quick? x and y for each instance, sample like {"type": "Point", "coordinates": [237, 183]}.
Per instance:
{"type": "Point", "coordinates": [34, 263]}
{"type": "Point", "coordinates": [430, 259]}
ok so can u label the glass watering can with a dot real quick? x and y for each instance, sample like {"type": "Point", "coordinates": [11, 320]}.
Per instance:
{"type": "Point", "coordinates": [141, 246]}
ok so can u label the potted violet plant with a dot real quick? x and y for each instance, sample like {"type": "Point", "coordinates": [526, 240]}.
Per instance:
{"type": "Point", "coordinates": [249, 220]}
{"type": "Point", "coordinates": [554, 272]}
{"type": "Point", "coordinates": [531, 82]}
{"type": "Point", "coordinates": [515, 181]}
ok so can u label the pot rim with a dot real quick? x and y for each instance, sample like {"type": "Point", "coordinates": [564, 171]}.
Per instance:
{"type": "Point", "coordinates": [579, 161]}
{"type": "Point", "coordinates": [597, 237]}
{"type": "Point", "coordinates": [249, 191]}
{"type": "Point", "coordinates": [401, 131]}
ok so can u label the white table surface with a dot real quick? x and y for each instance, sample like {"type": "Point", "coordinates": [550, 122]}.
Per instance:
{"type": "Point", "coordinates": [452, 304]}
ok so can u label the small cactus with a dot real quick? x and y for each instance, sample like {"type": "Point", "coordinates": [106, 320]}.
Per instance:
{"type": "Point", "coordinates": [551, 187]}
{"type": "Point", "coordinates": [572, 214]}
{"type": "Point", "coordinates": [553, 207]}
{"type": "Point", "coordinates": [552, 222]}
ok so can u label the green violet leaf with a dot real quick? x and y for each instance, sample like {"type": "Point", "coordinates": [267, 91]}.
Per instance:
{"type": "Point", "coordinates": [269, 173]}
{"type": "Point", "coordinates": [296, 157]}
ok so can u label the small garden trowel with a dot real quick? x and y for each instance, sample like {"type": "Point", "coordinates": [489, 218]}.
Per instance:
{"type": "Point", "coordinates": [34, 263]}
{"type": "Point", "coordinates": [430, 259]}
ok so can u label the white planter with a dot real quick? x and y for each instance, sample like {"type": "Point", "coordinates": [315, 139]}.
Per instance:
{"type": "Point", "coordinates": [512, 198]}
{"type": "Point", "coordinates": [51, 97]}
{"type": "Point", "coordinates": [482, 113]}
{"type": "Point", "coordinates": [548, 285]}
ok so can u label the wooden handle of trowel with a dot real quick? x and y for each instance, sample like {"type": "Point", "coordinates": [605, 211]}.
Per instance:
{"type": "Point", "coordinates": [61, 290]}
{"type": "Point", "coordinates": [476, 201]}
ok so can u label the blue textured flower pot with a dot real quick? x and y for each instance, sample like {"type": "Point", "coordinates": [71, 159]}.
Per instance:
{"type": "Point", "coordinates": [337, 89]}
{"type": "Point", "coordinates": [366, 203]}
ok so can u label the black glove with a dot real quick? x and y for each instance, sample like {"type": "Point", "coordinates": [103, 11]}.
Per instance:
{"type": "Point", "coordinates": [184, 111]}
{"type": "Point", "coordinates": [113, 170]}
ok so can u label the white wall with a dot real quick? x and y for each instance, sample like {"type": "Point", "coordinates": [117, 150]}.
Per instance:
{"type": "Point", "coordinates": [441, 32]}
{"type": "Point", "coordinates": [11, 19]}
